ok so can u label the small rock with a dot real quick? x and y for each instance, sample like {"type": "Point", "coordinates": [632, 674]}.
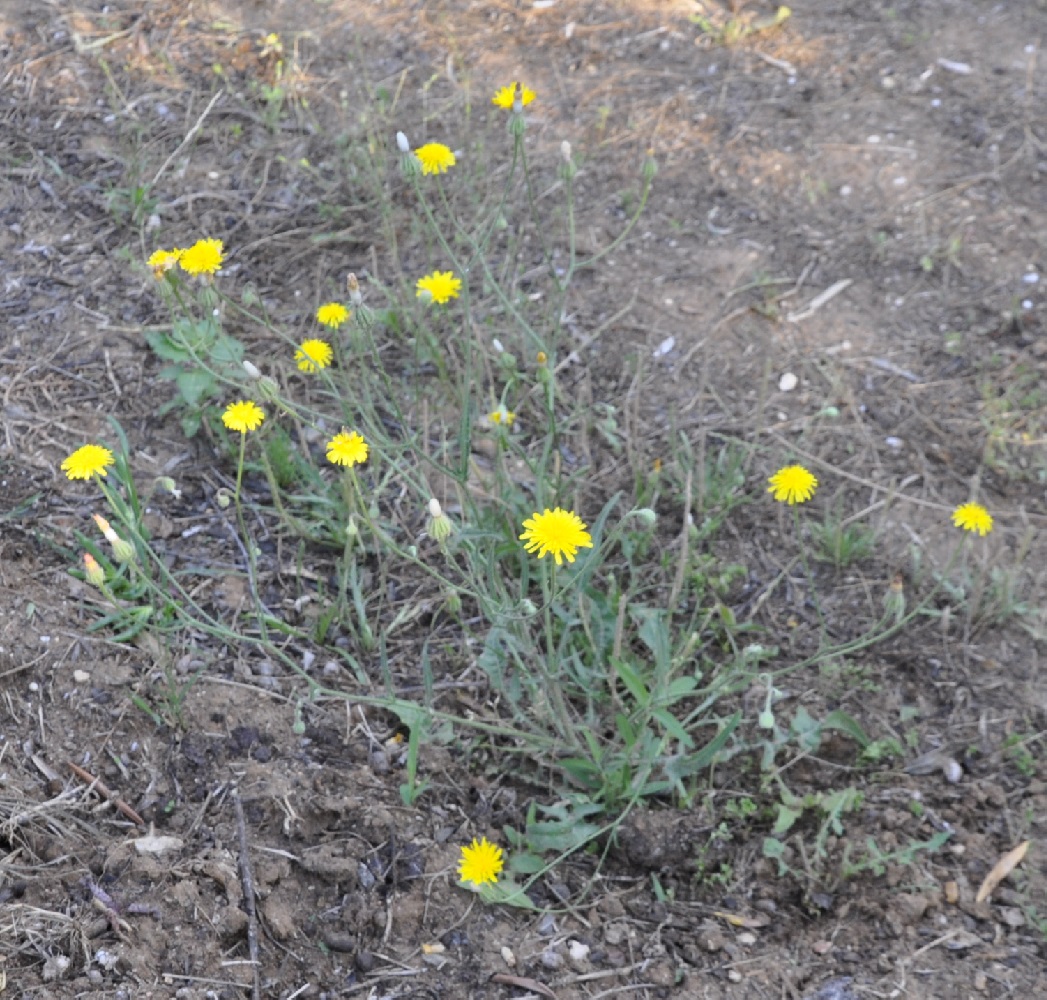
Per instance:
{"type": "Point", "coordinates": [981, 982]}
{"type": "Point", "coordinates": [1012, 916]}
{"type": "Point", "coordinates": [734, 975]}
{"type": "Point", "coordinates": [551, 959]}
{"type": "Point", "coordinates": [952, 893]}
{"type": "Point", "coordinates": [81, 676]}
{"type": "Point", "coordinates": [712, 939]}
{"type": "Point", "coordinates": [822, 947]}
{"type": "Point", "coordinates": [508, 957]}
{"type": "Point", "coordinates": [578, 952]}
{"type": "Point", "coordinates": [788, 382]}
{"type": "Point", "coordinates": [909, 907]}
{"type": "Point", "coordinates": [747, 938]}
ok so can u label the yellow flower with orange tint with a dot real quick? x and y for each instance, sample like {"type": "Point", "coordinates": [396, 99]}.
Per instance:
{"type": "Point", "coordinates": [95, 574]}
{"type": "Point", "coordinates": [243, 416]}
{"type": "Point", "coordinates": [203, 257]}
{"type": "Point", "coordinates": [973, 517]}
{"type": "Point", "coordinates": [90, 460]}
{"type": "Point", "coordinates": [480, 862]}
{"type": "Point", "coordinates": [559, 532]}
{"type": "Point", "coordinates": [435, 157]}
{"type": "Point", "coordinates": [312, 355]}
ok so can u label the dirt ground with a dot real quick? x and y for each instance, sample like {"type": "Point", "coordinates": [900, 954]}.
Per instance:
{"type": "Point", "coordinates": [898, 147]}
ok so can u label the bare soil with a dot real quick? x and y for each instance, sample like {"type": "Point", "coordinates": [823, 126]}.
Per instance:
{"type": "Point", "coordinates": [898, 147]}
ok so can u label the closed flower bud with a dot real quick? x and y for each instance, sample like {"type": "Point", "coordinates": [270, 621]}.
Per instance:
{"type": "Point", "coordinates": [168, 485]}
{"type": "Point", "coordinates": [252, 372]}
{"type": "Point", "coordinates": [351, 529]}
{"type": "Point", "coordinates": [95, 573]}
{"type": "Point", "coordinates": [402, 144]}
{"type": "Point", "coordinates": [223, 498]}
{"type": "Point", "coordinates": [645, 516]}
{"type": "Point", "coordinates": [440, 527]}
{"type": "Point", "coordinates": [353, 287]}
{"type": "Point", "coordinates": [528, 608]}
{"type": "Point", "coordinates": [123, 550]}
{"type": "Point", "coordinates": [268, 389]}
{"type": "Point", "coordinates": [650, 167]}
{"type": "Point", "coordinates": [453, 602]}
{"type": "Point", "coordinates": [766, 720]}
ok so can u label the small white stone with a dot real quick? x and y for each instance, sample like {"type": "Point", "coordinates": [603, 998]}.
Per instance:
{"type": "Point", "coordinates": [734, 975]}
{"type": "Point", "coordinates": [953, 772]}
{"type": "Point", "coordinates": [578, 951]}
{"type": "Point", "coordinates": [508, 957]}
{"type": "Point", "coordinates": [788, 382]}
{"type": "Point", "coordinates": [1031, 278]}
{"type": "Point", "coordinates": [81, 676]}
{"type": "Point", "coordinates": [747, 938]}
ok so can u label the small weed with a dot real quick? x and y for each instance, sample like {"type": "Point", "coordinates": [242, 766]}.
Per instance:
{"type": "Point", "coordinates": [840, 543]}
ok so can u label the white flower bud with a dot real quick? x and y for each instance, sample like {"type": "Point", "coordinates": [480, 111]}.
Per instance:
{"type": "Point", "coordinates": [565, 151]}
{"type": "Point", "coordinates": [435, 510]}
{"type": "Point", "coordinates": [402, 144]}
{"type": "Point", "coordinates": [252, 371]}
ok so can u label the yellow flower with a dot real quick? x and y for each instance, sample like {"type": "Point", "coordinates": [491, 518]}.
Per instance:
{"type": "Point", "coordinates": [502, 416]}
{"type": "Point", "coordinates": [203, 257]}
{"type": "Point", "coordinates": [347, 449]}
{"type": "Point", "coordinates": [243, 416]}
{"type": "Point", "coordinates": [90, 460]}
{"type": "Point", "coordinates": [505, 96]}
{"type": "Point", "coordinates": [332, 314]}
{"type": "Point", "coordinates": [480, 862]}
{"type": "Point", "coordinates": [435, 157]}
{"type": "Point", "coordinates": [312, 355]}
{"type": "Point", "coordinates": [792, 484]}
{"type": "Point", "coordinates": [161, 261]}
{"type": "Point", "coordinates": [972, 517]}
{"type": "Point", "coordinates": [441, 286]}
{"type": "Point", "coordinates": [561, 532]}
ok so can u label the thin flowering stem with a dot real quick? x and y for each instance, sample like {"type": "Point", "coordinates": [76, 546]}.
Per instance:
{"type": "Point", "coordinates": [810, 576]}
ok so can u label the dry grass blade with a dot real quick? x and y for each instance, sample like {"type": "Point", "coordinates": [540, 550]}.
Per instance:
{"type": "Point", "coordinates": [1001, 870]}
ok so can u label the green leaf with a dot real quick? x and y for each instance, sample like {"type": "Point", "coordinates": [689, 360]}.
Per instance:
{"type": "Point", "coordinates": [165, 348]}
{"type": "Point", "coordinates": [672, 726]}
{"type": "Point", "coordinates": [786, 819]}
{"type": "Point", "coordinates": [195, 386]}
{"type": "Point", "coordinates": [526, 864]}
{"type": "Point", "coordinates": [683, 766]}
{"type": "Point", "coordinates": [505, 892]}
{"type": "Point", "coordinates": [843, 723]}
{"type": "Point", "coordinates": [632, 680]}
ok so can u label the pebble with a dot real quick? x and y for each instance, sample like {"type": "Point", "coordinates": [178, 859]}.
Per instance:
{"type": "Point", "coordinates": [788, 382]}
{"type": "Point", "coordinates": [551, 959]}
{"type": "Point", "coordinates": [81, 676]}
{"type": "Point", "coordinates": [734, 975]}
{"type": "Point", "coordinates": [578, 952]}
{"type": "Point", "coordinates": [508, 957]}
{"type": "Point", "coordinates": [747, 938]}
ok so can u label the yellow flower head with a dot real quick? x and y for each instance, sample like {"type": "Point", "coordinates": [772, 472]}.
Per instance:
{"type": "Point", "coordinates": [90, 460]}
{"type": "Point", "coordinates": [972, 517]}
{"type": "Point", "coordinates": [312, 355]}
{"type": "Point", "coordinates": [561, 532]}
{"type": "Point", "coordinates": [243, 416]}
{"type": "Point", "coordinates": [502, 416]}
{"type": "Point", "coordinates": [203, 257]}
{"type": "Point", "coordinates": [161, 261]}
{"type": "Point", "coordinates": [332, 315]}
{"type": "Point", "coordinates": [480, 862]}
{"type": "Point", "coordinates": [505, 96]}
{"type": "Point", "coordinates": [434, 157]}
{"type": "Point", "coordinates": [347, 449]}
{"type": "Point", "coordinates": [792, 484]}
{"type": "Point", "coordinates": [441, 286]}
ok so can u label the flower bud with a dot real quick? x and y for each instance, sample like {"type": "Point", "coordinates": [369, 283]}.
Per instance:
{"type": "Point", "coordinates": [528, 608]}
{"type": "Point", "coordinates": [353, 287]}
{"type": "Point", "coordinates": [351, 529]}
{"type": "Point", "coordinates": [268, 389]}
{"type": "Point", "coordinates": [402, 144]}
{"type": "Point", "coordinates": [168, 485]}
{"type": "Point", "coordinates": [645, 516]}
{"type": "Point", "coordinates": [650, 167]}
{"type": "Point", "coordinates": [766, 720]}
{"type": "Point", "coordinates": [252, 371]}
{"type": "Point", "coordinates": [517, 124]}
{"type": "Point", "coordinates": [440, 526]}
{"type": "Point", "coordinates": [453, 602]}
{"type": "Point", "coordinates": [223, 498]}
{"type": "Point", "coordinates": [95, 573]}
{"type": "Point", "coordinates": [568, 170]}
{"type": "Point", "coordinates": [541, 357]}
